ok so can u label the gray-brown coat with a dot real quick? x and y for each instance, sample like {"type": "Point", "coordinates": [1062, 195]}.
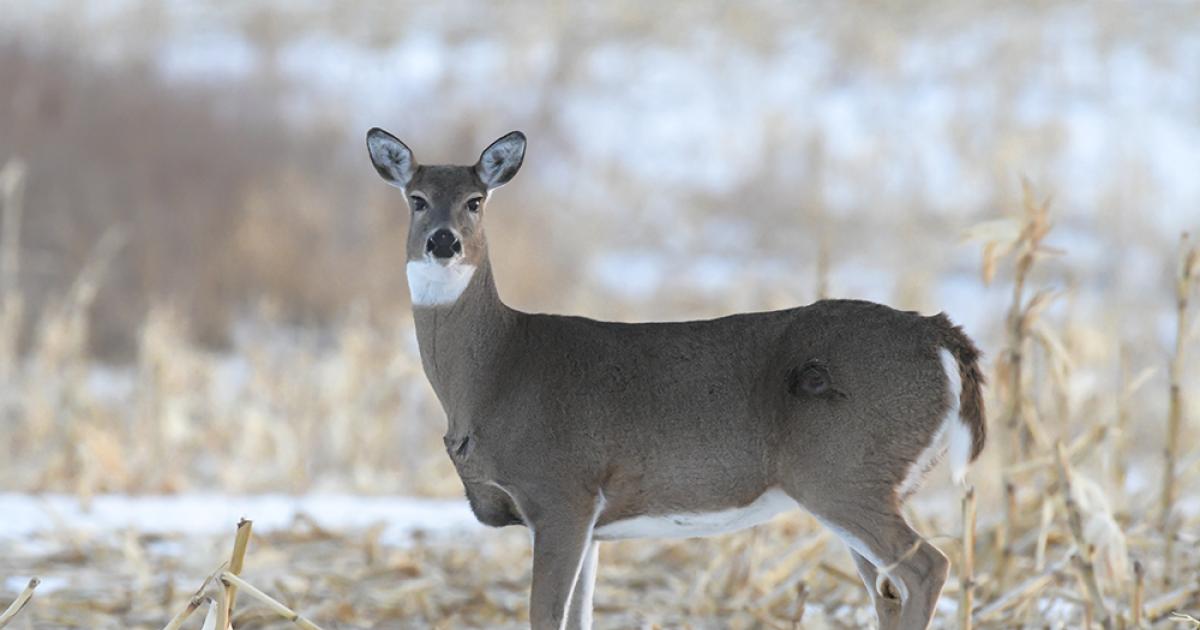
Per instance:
{"type": "Point", "coordinates": [585, 430]}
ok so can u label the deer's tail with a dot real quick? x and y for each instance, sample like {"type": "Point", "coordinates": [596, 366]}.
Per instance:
{"type": "Point", "coordinates": [960, 360]}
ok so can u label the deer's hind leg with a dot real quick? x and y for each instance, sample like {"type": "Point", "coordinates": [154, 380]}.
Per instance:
{"type": "Point", "coordinates": [887, 603]}
{"type": "Point", "coordinates": [903, 564]}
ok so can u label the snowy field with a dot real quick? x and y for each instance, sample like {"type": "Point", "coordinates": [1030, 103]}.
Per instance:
{"type": "Point", "coordinates": [28, 516]}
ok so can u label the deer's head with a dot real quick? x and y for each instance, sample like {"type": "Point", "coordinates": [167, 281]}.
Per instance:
{"type": "Point", "coordinates": [445, 235]}
{"type": "Point", "coordinates": [446, 202]}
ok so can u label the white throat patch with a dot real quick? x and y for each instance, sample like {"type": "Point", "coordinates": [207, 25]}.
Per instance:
{"type": "Point", "coordinates": [434, 284]}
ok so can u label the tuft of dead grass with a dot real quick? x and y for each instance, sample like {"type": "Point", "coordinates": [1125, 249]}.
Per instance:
{"type": "Point", "coordinates": [20, 602]}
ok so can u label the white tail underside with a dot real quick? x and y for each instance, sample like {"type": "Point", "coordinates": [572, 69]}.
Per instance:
{"type": "Point", "coordinates": [953, 435]}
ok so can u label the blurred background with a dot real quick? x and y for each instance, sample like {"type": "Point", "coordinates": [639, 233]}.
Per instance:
{"type": "Point", "coordinates": [200, 167]}
{"type": "Point", "coordinates": [202, 274]}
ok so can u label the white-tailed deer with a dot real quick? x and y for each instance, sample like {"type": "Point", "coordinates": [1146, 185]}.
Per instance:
{"type": "Point", "coordinates": [585, 431]}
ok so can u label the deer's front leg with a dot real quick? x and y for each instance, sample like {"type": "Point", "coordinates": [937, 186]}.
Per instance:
{"type": "Point", "coordinates": [579, 615]}
{"type": "Point", "coordinates": [562, 541]}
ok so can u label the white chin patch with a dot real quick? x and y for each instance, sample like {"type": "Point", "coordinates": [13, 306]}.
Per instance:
{"type": "Point", "coordinates": [435, 284]}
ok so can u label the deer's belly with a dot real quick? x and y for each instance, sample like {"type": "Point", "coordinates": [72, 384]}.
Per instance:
{"type": "Point", "coordinates": [694, 524]}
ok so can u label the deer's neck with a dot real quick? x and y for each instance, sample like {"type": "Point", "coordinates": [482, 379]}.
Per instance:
{"type": "Point", "coordinates": [462, 338]}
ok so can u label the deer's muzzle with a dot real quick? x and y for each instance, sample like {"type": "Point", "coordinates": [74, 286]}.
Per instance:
{"type": "Point", "coordinates": [443, 244]}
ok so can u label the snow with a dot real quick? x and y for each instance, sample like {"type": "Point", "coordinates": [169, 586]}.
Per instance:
{"type": "Point", "coordinates": [17, 583]}
{"type": "Point", "coordinates": [705, 112]}
{"type": "Point", "coordinates": [209, 55]}
{"type": "Point", "coordinates": [28, 515]}
{"type": "Point", "coordinates": [630, 273]}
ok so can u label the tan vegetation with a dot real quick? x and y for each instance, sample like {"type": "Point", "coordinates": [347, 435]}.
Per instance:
{"type": "Point", "coordinates": [308, 419]}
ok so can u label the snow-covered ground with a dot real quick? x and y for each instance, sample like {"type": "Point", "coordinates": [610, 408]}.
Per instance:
{"type": "Point", "coordinates": [24, 516]}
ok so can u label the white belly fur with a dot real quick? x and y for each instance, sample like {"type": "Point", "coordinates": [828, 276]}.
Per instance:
{"type": "Point", "coordinates": [694, 524]}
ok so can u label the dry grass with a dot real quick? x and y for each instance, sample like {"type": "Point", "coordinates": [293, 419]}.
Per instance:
{"type": "Point", "coordinates": [334, 412]}
{"type": "Point", "coordinates": [788, 573]}
{"type": "Point", "coordinates": [20, 602]}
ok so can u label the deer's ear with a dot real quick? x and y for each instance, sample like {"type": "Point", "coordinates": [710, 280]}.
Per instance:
{"type": "Point", "coordinates": [500, 162]}
{"type": "Point", "coordinates": [391, 158]}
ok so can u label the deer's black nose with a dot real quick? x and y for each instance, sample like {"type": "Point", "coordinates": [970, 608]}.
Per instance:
{"type": "Point", "coordinates": [443, 244]}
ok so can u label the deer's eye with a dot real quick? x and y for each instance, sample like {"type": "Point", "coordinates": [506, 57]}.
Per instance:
{"type": "Point", "coordinates": [418, 203]}
{"type": "Point", "coordinates": [473, 204]}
